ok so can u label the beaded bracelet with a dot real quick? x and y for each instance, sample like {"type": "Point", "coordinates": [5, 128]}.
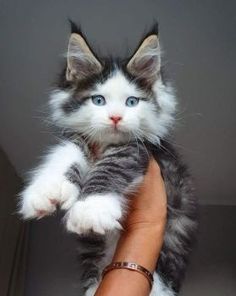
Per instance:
{"type": "Point", "coordinates": [130, 266]}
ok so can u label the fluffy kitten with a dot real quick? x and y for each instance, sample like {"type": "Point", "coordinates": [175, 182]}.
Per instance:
{"type": "Point", "coordinates": [125, 108]}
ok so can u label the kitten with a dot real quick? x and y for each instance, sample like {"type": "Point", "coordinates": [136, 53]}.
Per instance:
{"type": "Point", "coordinates": [125, 108]}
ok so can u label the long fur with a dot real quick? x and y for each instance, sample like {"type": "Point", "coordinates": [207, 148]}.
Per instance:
{"type": "Point", "coordinates": [94, 187]}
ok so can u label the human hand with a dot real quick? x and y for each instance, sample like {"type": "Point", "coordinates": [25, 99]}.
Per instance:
{"type": "Point", "coordinates": [142, 238]}
{"type": "Point", "coordinates": [148, 208]}
{"type": "Point", "coordinates": [144, 226]}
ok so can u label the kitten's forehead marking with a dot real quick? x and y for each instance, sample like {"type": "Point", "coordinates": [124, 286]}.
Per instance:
{"type": "Point", "coordinates": [117, 85]}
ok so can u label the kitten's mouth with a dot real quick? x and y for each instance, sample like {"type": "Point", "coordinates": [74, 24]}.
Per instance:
{"type": "Point", "coordinates": [116, 129]}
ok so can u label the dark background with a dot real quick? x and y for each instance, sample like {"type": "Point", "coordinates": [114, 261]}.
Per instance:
{"type": "Point", "coordinates": [199, 43]}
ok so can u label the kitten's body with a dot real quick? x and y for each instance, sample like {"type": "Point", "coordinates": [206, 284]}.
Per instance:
{"type": "Point", "coordinates": [97, 251]}
{"type": "Point", "coordinates": [126, 110]}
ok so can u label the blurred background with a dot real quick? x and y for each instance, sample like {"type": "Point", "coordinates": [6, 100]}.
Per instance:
{"type": "Point", "coordinates": [199, 43]}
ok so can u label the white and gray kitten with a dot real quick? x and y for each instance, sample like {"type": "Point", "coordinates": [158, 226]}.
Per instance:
{"type": "Point", "coordinates": [125, 108]}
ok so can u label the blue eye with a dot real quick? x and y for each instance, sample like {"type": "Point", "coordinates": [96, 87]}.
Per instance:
{"type": "Point", "coordinates": [98, 100]}
{"type": "Point", "coordinates": [132, 101]}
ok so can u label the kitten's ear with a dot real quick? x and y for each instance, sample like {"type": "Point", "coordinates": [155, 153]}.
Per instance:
{"type": "Point", "coordinates": [146, 61]}
{"type": "Point", "coordinates": [81, 62]}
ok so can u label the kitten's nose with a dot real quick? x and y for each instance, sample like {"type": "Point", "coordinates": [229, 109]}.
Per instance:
{"type": "Point", "coordinates": [115, 118]}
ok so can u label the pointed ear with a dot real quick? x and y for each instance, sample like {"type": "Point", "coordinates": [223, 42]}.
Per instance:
{"type": "Point", "coordinates": [146, 61]}
{"type": "Point", "coordinates": [81, 62]}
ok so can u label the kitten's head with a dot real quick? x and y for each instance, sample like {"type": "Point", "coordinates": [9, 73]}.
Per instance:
{"type": "Point", "coordinates": [111, 100]}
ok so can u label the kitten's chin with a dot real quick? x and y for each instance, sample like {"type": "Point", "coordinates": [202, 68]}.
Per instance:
{"type": "Point", "coordinates": [113, 137]}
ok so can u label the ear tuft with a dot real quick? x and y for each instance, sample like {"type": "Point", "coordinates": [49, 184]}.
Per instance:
{"type": "Point", "coordinates": [74, 28]}
{"type": "Point", "coordinates": [154, 30]}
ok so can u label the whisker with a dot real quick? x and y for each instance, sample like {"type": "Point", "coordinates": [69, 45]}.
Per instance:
{"type": "Point", "coordinates": [136, 140]}
{"type": "Point", "coordinates": [167, 150]}
{"type": "Point", "coordinates": [141, 140]}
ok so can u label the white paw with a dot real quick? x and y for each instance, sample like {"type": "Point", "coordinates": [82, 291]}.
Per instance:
{"type": "Point", "coordinates": [98, 213]}
{"type": "Point", "coordinates": [42, 196]}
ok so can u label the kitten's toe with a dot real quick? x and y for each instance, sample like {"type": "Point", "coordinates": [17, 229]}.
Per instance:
{"type": "Point", "coordinates": [42, 197]}
{"type": "Point", "coordinates": [69, 194]}
{"type": "Point", "coordinates": [41, 213]}
{"type": "Point", "coordinates": [53, 201]}
{"type": "Point", "coordinates": [35, 205]}
{"type": "Point", "coordinates": [97, 213]}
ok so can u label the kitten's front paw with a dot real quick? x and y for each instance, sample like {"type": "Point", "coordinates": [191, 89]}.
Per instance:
{"type": "Point", "coordinates": [42, 196]}
{"type": "Point", "coordinates": [97, 213]}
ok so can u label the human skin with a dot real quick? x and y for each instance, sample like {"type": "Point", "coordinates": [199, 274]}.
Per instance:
{"type": "Point", "coordinates": [142, 238]}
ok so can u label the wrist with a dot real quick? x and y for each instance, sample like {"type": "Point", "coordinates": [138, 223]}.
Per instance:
{"type": "Point", "coordinates": [141, 245]}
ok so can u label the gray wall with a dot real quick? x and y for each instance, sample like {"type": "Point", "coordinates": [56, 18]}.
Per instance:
{"type": "Point", "coordinates": [13, 233]}
{"type": "Point", "coordinates": [199, 42]}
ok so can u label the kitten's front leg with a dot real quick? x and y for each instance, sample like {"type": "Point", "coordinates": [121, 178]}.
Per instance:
{"type": "Point", "coordinates": [102, 199]}
{"type": "Point", "coordinates": [55, 182]}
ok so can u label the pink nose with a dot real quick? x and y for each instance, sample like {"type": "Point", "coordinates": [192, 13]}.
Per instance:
{"type": "Point", "coordinates": [115, 119]}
